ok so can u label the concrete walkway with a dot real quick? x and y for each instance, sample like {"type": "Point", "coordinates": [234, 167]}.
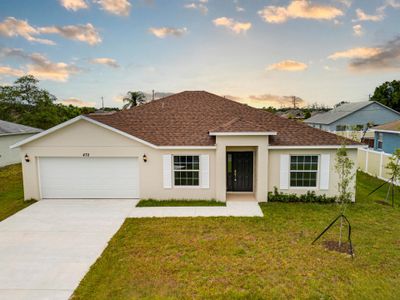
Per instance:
{"type": "Point", "coordinates": [232, 209]}
{"type": "Point", "coordinates": [47, 248]}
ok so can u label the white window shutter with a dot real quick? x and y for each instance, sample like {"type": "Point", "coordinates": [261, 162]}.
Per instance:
{"type": "Point", "coordinates": [167, 171]}
{"type": "Point", "coordinates": [204, 171]}
{"type": "Point", "coordinates": [284, 172]}
{"type": "Point", "coordinates": [325, 172]}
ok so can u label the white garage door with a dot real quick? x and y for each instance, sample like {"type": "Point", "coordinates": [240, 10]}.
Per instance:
{"type": "Point", "coordinates": [99, 177]}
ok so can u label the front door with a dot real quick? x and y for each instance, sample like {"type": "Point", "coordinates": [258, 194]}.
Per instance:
{"type": "Point", "coordinates": [239, 167]}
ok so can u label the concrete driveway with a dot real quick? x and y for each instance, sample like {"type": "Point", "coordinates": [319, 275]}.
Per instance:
{"type": "Point", "coordinates": [47, 248]}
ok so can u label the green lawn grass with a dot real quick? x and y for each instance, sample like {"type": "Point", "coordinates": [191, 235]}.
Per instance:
{"type": "Point", "coordinates": [11, 191]}
{"type": "Point", "coordinates": [253, 258]}
{"type": "Point", "coordinates": [153, 203]}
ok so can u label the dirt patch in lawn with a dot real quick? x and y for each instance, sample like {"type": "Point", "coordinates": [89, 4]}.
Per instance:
{"type": "Point", "coordinates": [334, 246]}
{"type": "Point", "coordinates": [383, 202]}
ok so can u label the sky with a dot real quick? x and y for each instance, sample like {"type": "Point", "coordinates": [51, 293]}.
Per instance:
{"type": "Point", "coordinates": [259, 52]}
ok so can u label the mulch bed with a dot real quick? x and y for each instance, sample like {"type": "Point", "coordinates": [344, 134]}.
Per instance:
{"type": "Point", "coordinates": [334, 246]}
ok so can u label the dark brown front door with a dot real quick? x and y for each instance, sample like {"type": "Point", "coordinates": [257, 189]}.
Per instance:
{"type": "Point", "coordinates": [239, 175]}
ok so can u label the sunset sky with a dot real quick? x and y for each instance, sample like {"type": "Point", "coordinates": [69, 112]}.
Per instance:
{"type": "Point", "coordinates": [254, 51]}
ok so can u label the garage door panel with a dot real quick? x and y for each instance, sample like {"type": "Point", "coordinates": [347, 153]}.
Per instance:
{"type": "Point", "coordinates": [70, 177]}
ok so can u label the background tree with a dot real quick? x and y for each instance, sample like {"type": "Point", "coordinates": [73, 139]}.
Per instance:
{"type": "Point", "coordinates": [388, 94]}
{"type": "Point", "coordinates": [133, 99]}
{"type": "Point", "coordinates": [25, 103]}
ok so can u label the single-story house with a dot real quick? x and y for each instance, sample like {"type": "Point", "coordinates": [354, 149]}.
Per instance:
{"type": "Point", "coordinates": [190, 145]}
{"type": "Point", "coordinates": [387, 137]}
{"type": "Point", "coordinates": [11, 133]}
{"type": "Point", "coordinates": [353, 117]}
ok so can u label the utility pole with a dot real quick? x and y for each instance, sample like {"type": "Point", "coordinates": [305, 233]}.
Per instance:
{"type": "Point", "coordinates": [294, 102]}
{"type": "Point", "coordinates": [102, 102]}
{"type": "Point", "coordinates": [153, 95]}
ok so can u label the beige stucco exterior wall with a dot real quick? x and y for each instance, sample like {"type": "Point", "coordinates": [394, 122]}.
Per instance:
{"type": "Point", "coordinates": [85, 137]}
{"type": "Point", "coordinates": [101, 142]}
{"type": "Point", "coordinates": [10, 156]}
{"type": "Point", "coordinates": [260, 146]}
{"type": "Point", "coordinates": [274, 170]}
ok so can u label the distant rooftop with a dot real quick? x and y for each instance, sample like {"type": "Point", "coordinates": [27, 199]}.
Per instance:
{"type": "Point", "coordinates": [8, 128]}
{"type": "Point", "coordinates": [392, 126]}
{"type": "Point", "coordinates": [341, 112]}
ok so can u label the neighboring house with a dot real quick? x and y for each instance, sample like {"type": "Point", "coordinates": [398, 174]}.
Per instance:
{"type": "Point", "coordinates": [191, 145]}
{"type": "Point", "coordinates": [11, 133]}
{"type": "Point", "coordinates": [387, 137]}
{"type": "Point", "coordinates": [353, 117]}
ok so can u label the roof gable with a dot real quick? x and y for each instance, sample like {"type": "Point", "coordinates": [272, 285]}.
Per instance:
{"type": "Point", "coordinates": [392, 126]}
{"type": "Point", "coordinates": [343, 111]}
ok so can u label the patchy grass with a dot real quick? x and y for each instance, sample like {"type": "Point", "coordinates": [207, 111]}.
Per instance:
{"type": "Point", "coordinates": [152, 203]}
{"type": "Point", "coordinates": [253, 258]}
{"type": "Point", "coordinates": [11, 191]}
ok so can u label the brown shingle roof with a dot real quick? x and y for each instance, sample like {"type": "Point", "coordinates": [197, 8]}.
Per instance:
{"type": "Point", "coordinates": [185, 119]}
{"type": "Point", "coordinates": [392, 126]}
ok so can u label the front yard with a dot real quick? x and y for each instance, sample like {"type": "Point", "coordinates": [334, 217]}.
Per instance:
{"type": "Point", "coordinates": [253, 258]}
{"type": "Point", "coordinates": [11, 192]}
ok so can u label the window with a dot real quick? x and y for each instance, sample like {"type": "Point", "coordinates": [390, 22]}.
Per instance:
{"type": "Point", "coordinates": [303, 170]}
{"type": "Point", "coordinates": [186, 170]}
{"type": "Point", "coordinates": [380, 141]}
{"type": "Point", "coordinates": [341, 127]}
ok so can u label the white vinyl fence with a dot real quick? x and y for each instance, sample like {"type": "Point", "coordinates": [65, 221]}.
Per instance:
{"type": "Point", "coordinates": [374, 163]}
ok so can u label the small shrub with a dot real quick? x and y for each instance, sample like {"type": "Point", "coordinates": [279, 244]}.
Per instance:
{"type": "Point", "coordinates": [309, 197]}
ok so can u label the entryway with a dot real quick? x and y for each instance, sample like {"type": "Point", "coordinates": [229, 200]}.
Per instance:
{"type": "Point", "coordinates": [239, 171]}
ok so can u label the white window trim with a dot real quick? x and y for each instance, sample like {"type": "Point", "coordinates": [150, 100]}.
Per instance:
{"type": "Point", "coordinates": [173, 173]}
{"type": "Point", "coordinates": [316, 187]}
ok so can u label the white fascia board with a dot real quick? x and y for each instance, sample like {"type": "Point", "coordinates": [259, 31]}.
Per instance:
{"type": "Point", "coordinates": [242, 133]}
{"type": "Point", "coordinates": [76, 119]}
{"type": "Point", "coordinates": [316, 147]}
{"type": "Point", "coordinates": [186, 147]}
{"type": "Point", "coordinates": [386, 131]}
{"type": "Point", "coordinates": [46, 132]}
{"type": "Point", "coordinates": [119, 132]}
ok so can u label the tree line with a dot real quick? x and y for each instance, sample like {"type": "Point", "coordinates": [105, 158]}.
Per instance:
{"type": "Point", "coordinates": [24, 102]}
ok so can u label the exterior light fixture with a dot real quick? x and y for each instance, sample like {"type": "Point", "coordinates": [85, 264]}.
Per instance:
{"type": "Point", "coordinates": [144, 157]}
{"type": "Point", "coordinates": [27, 158]}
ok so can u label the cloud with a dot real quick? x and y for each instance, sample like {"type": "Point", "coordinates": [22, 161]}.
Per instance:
{"type": "Point", "coordinates": [361, 52]}
{"type": "Point", "coordinates": [83, 33]}
{"type": "Point", "coordinates": [236, 27]}
{"type": "Point", "coordinates": [12, 27]}
{"type": "Point", "coordinates": [379, 13]}
{"type": "Point", "coordinates": [265, 100]}
{"type": "Point", "coordinates": [358, 30]}
{"type": "Point", "coordinates": [162, 32]}
{"type": "Point", "coordinates": [288, 65]}
{"type": "Point", "coordinates": [199, 5]}
{"type": "Point", "coordinates": [387, 58]}
{"type": "Point", "coordinates": [77, 102]}
{"type": "Point", "coordinates": [4, 70]}
{"type": "Point", "coordinates": [74, 4]}
{"type": "Point", "coordinates": [116, 7]}
{"type": "Point", "coordinates": [303, 9]}
{"type": "Point", "coordinates": [362, 16]}
{"type": "Point", "coordinates": [40, 66]}
{"type": "Point", "coordinates": [105, 61]}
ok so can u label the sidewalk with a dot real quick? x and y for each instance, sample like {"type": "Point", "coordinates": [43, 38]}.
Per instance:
{"type": "Point", "coordinates": [232, 209]}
